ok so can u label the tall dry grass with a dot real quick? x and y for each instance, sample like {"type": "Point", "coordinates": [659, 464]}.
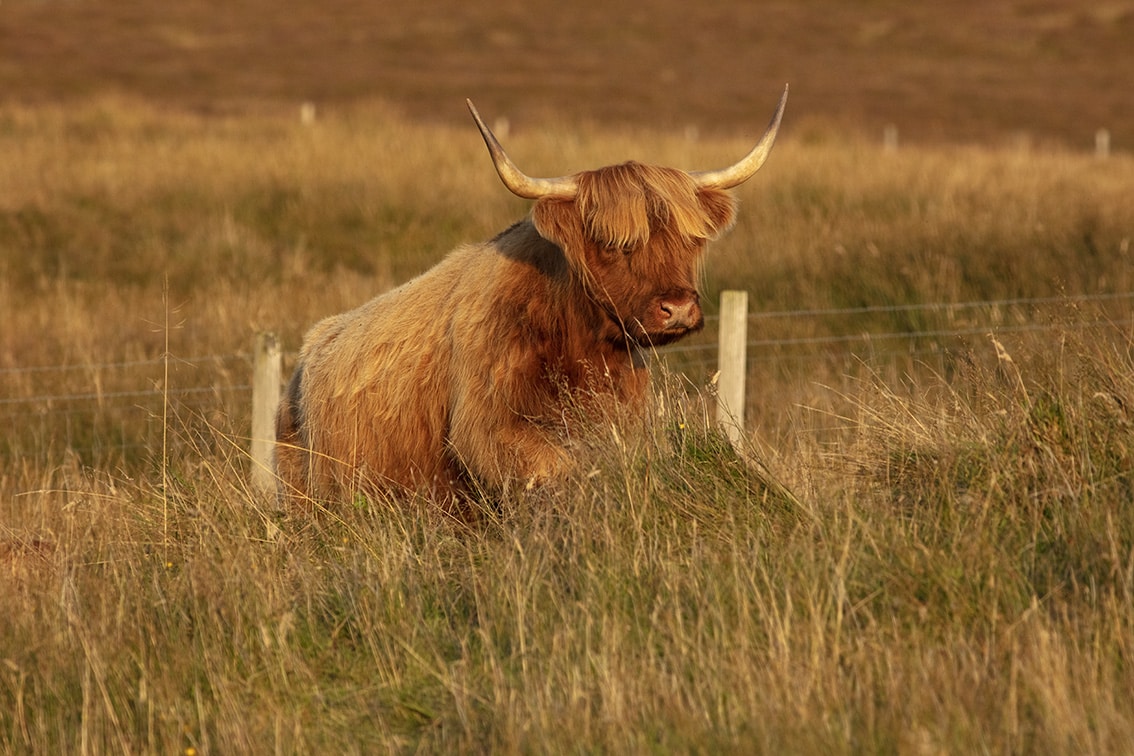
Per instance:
{"type": "Point", "coordinates": [914, 554]}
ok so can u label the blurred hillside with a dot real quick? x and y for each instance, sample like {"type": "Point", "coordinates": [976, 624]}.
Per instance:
{"type": "Point", "coordinates": [956, 70]}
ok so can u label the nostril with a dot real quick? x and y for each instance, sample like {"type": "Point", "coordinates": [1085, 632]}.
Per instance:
{"type": "Point", "coordinates": [678, 312]}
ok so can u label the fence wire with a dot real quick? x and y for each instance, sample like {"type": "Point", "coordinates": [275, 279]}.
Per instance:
{"type": "Point", "coordinates": [120, 406]}
{"type": "Point", "coordinates": [108, 412]}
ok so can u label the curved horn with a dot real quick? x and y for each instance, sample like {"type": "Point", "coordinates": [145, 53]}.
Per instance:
{"type": "Point", "coordinates": [517, 182]}
{"type": "Point", "coordinates": [727, 178]}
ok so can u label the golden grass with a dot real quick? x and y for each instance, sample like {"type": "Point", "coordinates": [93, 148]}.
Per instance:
{"type": "Point", "coordinates": [921, 551]}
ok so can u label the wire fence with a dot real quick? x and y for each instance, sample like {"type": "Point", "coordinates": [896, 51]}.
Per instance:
{"type": "Point", "coordinates": [934, 333]}
{"type": "Point", "coordinates": [119, 410]}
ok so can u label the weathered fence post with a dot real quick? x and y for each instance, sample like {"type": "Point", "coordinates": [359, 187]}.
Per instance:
{"type": "Point", "coordinates": [267, 364]}
{"type": "Point", "coordinates": [731, 364]}
{"type": "Point", "coordinates": [1102, 143]}
{"type": "Point", "coordinates": [890, 138]}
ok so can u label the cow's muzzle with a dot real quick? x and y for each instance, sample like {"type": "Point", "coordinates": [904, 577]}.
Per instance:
{"type": "Point", "coordinates": [682, 315]}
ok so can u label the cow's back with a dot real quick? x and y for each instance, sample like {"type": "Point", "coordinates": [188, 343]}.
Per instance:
{"type": "Point", "coordinates": [373, 391]}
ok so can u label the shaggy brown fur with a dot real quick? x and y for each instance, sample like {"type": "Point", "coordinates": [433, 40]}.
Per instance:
{"type": "Point", "coordinates": [457, 376]}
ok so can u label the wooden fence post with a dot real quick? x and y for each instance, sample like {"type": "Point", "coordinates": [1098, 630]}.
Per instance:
{"type": "Point", "coordinates": [1102, 143]}
{"type": "Point", "coordinates": [267, 361]}
{"type": "Point", "coordinates": [890, 138]}
{"type": "Point", "coordinates": [731, 364]}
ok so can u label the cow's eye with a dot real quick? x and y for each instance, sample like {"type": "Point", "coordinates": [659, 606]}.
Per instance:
{"type": "Point", "coordinates": [614, 251]}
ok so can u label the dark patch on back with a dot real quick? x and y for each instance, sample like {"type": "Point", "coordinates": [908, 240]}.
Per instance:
{"type": "Point", "coordinates": [294, 397]}
{"type": "Point", "coordinates": [522, 243]}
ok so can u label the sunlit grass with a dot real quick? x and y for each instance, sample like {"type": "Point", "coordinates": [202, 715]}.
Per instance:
{"type": "Point", "coordinates": [912, 554]}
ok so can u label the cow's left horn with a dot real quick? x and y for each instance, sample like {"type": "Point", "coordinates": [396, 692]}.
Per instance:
{"type": "Point", "coordinates": [727, 178]}
{"type": "Point", "coordinates": [517, 182]}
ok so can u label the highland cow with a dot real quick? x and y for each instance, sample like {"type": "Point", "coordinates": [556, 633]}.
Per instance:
{"type": "Point", "coordinates": [458, 378]}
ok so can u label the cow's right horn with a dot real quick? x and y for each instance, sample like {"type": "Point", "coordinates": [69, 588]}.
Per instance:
{"type": "Point", "coordinates": [517, 182]}
{"type": "Point", "coordinates": [727, 178]}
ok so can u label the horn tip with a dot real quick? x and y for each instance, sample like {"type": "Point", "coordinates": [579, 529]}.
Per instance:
{"type": "Point", "coordinates": [484, 131]}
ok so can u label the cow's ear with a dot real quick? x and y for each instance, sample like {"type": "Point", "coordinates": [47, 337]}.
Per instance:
{"type": "Point", "coordinates": [557, 220]}
{"type": "Point", "coordinates": [720, 207]}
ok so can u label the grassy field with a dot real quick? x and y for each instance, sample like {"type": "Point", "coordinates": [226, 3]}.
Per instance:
{"type": "Point", "coordinates": [924, 548]}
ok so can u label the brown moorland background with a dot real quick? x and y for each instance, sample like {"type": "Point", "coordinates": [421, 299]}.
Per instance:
{"type": "Point", "coordinates": [957, 70]}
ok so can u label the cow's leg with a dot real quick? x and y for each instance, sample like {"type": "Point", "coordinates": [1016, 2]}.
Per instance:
{"type": "Point", "coordinates": [496, 444]}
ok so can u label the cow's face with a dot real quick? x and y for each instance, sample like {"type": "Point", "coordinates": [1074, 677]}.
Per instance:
{"type": "Point", "coordinates": [634, 235]}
